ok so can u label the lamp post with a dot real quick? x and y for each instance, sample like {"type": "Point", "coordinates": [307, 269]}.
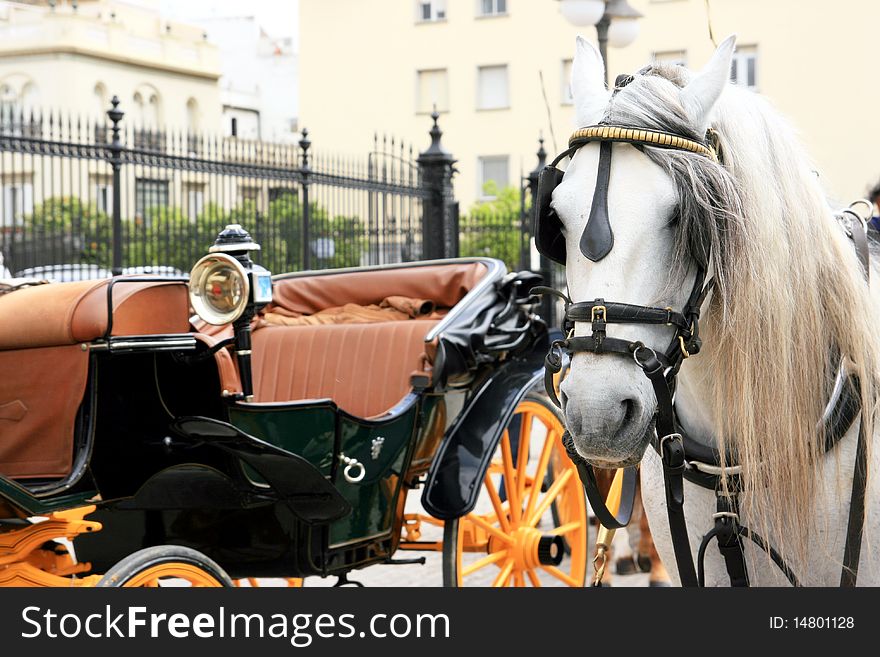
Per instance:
{"type": "Point", "coordinates": [615, 21]}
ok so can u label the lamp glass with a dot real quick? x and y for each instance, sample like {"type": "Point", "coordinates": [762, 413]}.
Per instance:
{"type": "Point", "coordinates": [622, 32]}
{"type": "Point", "coordinates": [582, 12]}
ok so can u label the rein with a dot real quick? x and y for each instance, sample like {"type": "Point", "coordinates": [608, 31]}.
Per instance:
{"type": "Point", "coordinates": [682, 458]}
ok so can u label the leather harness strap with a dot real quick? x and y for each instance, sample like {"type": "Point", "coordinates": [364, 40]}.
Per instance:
{"type": "Point", "coordinates": [856, 521]}
{"type": "Point", "coordinates": [597, 240]}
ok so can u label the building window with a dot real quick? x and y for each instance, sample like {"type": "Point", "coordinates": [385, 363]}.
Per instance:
{"type": "Point", "coordinates": [99, 101]}
{"type": "Point", "coordinates": [149, 194]}
{"type": "Point", "coordinates": [491, 7]}
{"type": "Point", "coordinates": [241, 122]}
{"type": "Point", "coordinates": [744, 67]}
{"type": "Point", "coordinates": [18, 201]}
{"type": "Point", "coordinates": [433, 91]}
{"type": "Point", "coordinates": [492, 87]}
{"type": "Point", "coordinates": [430, 10]}
{"type": "Point", "coordinates": [194, 194]}
{"type": "Point", "coordinates": [102, 185]}
{"type": "Point", "coordinates": [670, 57]}
{"type": "Point", "coordinates": [149, 140]}
{"type": "Point", "coordinates": [567, 98]}
{"type": "Point", "coordinates": [493, 169]}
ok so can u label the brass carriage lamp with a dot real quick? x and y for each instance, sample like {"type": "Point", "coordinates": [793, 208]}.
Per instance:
{"type": "Point", "coordinates": [227, 286]}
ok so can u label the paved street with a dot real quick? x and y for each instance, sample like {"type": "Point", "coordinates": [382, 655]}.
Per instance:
{"type": "Point", "coordinates": [429, 574]}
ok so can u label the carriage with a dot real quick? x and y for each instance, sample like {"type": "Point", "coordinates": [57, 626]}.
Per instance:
{"type": "Point", "coordinates": [235, 425]}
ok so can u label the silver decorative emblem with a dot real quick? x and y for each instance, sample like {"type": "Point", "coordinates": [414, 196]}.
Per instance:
{"type": "Point", "coordinates": [376, 447]}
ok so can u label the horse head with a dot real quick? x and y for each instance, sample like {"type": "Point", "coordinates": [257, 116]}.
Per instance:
{"type": "Point", "coordinates": [618, 210]}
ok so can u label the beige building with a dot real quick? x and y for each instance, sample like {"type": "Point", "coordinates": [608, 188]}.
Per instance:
{"type": "Point", "coordinates": [74, 56]}
{"type": "Point", "coordinates": [70, 58]}
{"type": "Point", "coordinates": [489, 64]}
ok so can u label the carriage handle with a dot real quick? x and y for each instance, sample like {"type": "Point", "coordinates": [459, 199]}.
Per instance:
{"type": "Point", "coordinates": [352, 464]}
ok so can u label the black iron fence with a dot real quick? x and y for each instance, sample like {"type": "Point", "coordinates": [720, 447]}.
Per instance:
{"type": "Point", "coordinates": [83, 197]}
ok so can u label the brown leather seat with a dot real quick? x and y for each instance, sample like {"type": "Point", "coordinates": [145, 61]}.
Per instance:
{"type": "Point", "coordinates": [364, 368]}
{"type": "Point", "coordinates": [445, 285]}
{"type": "Point", "coordinates": [67, 313]}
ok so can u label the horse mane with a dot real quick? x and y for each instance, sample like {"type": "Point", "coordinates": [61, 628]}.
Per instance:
{"type": "Point", "coordinates": [789, 294]}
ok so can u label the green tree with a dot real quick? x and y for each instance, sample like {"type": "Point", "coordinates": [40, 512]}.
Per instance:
{"type": "Point", "coordinates": [71, 231]}
{"type": "Point", "coordinates": [494, 228]}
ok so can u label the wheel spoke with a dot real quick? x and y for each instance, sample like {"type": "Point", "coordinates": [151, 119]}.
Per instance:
{"type": "Point", "coordinates": [539, 473]}
{"type": "Point", "coordinates": [495, 557]}
{"type": "Point", "coordinates": [561, 576]}
{"type": "Point", "coordinates": [552, 493]}
{"type": "Point", "coordinates": [564, 529]}
{"type": "Point", "coordinates": [497, 504]}
{"type": "Point", "coordinates": [504, 575]}
{"type": "Point", "coordinates": [533, 578]}
{"type": "Point", "coordinates": [525, 432]}
{"type": "Point", "coordinates": [518, 580]}
{"type": "Point", "coordinates": [510, 484]}
{"type": "Point", "coordinates": [492, 529]}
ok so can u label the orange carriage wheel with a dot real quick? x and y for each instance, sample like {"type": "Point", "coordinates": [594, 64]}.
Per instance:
{"type": "Point", "coordinates": [166, 565]}
{"type": "Point", "coordinates": [531, 511]}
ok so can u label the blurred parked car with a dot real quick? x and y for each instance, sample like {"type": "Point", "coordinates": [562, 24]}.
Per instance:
{"type": "Point", "coordinates": [81, 272]}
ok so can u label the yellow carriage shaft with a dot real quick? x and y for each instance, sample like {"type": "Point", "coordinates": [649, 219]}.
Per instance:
{"type": "Point", "coordinates": [605, 535]}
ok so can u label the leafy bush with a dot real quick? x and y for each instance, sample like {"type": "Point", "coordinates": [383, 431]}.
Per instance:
{"type": "Point", "coordinates": [494, 228]}
{"type": "Point", "coordinates": [66, 230]}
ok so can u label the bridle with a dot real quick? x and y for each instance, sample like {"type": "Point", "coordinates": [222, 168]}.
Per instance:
{"type": "Point", "coordinates": [682, 457]}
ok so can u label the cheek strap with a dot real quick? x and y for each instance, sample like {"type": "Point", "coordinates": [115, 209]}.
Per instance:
{"type": "Point", "coordinates": [597, 239]}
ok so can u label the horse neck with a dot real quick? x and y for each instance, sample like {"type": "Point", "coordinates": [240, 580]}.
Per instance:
{"type": "Point", "coordinates": [692, 400]}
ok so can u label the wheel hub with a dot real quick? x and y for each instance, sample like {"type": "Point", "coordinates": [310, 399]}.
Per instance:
{"type": "Point", "coordinates": [532, 549]}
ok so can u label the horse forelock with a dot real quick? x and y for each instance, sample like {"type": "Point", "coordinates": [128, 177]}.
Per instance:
{"type": "Point", "coordinates": [789, 291]}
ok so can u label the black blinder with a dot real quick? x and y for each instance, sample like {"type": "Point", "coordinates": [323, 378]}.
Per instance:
{"type": "Point", "coordinates": [549, 238]}
{"type": "Point", "coordinates": [597, 240]}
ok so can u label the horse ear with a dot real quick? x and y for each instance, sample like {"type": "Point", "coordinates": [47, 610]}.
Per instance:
{"type": "Point", "coordinates": [703, 91]}
{"type": "Point", "coordinates": [588, 83]}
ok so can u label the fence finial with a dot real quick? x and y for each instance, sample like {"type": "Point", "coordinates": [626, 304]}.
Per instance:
{"type": "Point", "coordinates": [304, 144]}
{"type": "Point", "coordinates": [436, 148]}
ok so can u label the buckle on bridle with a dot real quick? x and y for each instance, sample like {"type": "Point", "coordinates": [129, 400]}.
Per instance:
{"type": "Point", "coordinates": [684, 352]}
{"type": "Point", "coordinates": [730, 515]}
{"type": "Point", "coordinates": [673, 460]}
{"type": "Point", "coordinates": [598, 310]}
{"type": "Point", "coordinates": [671, 436]}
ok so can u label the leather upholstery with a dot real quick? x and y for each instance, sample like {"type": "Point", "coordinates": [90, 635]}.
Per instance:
{"type": "Point", "coordinates": [227, 370]}
{"type": "Point", "coordinates": [40, 392]}
{"type": "Point", "coordinates": [66, 313]}
{"type": "Point", "coordinates": [364, 368]}
{"type": "Point", "coordinates": [445, 285]}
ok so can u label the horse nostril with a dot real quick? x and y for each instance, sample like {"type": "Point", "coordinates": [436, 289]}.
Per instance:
{"type": "Point", "coordinates": [629, 410]}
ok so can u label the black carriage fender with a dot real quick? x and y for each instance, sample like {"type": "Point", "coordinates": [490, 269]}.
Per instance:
{"type": "Point", "coordinates": [290, 477]}
{"type": "Point", "coordinates": [456, 474]}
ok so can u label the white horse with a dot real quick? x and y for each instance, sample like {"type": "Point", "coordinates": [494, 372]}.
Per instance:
{"type": "Point", "coordinates": [789, 293]}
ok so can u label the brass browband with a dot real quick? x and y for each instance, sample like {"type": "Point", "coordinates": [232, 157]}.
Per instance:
{"type": "Point", "coordinates": [639, 136]}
